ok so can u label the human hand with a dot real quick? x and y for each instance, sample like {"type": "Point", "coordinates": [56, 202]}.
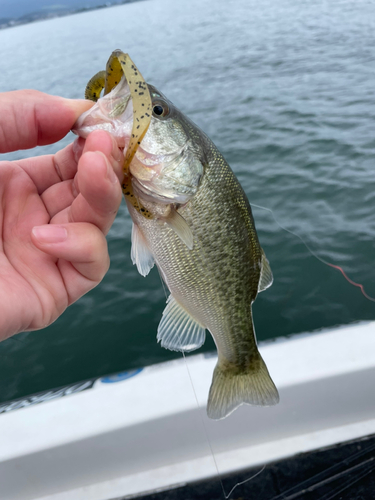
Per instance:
{"type": "Point", "coordinates": [55, 210]}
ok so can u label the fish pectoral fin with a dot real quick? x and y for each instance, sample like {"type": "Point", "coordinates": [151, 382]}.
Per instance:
{"type": "Point", "coordinates": [140, 253]}
{"type": "Point", "coordinates": [230, 389]}
{"type": "Point", "coordinates": [179, 225]}
{"type": "Point", "coordinates": [178, 331]}
{"type": "Point", "coordinates": [266, 277]}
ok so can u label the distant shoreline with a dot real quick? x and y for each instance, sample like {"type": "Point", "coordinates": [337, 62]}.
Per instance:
{"type": "Point", "coordinates": [41, 16]}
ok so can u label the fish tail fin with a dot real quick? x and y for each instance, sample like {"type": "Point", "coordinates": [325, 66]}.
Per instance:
{"type": "Point", "coordinates": [230, 389]}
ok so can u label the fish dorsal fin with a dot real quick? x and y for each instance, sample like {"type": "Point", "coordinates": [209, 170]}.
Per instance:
{"type": "Point", "coordinates": [140, 254]}
{"type": "Point", "coordinates": [178, 331]}
{"type": "Point", "coordinates": [179, 225]}
{"type": "Point", "coordinates": [266, 278]}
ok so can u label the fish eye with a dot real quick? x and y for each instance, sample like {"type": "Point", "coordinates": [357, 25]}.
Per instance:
{"type": "Point", "coordinates": [160, 109]}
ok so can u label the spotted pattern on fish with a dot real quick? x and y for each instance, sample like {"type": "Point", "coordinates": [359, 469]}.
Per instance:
{"type": "Point", "coordinates": [195, 277]}
{"type": "Point", "coordinates": [202, 236]}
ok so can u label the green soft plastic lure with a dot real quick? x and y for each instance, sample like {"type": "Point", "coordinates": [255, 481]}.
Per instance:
{"type": "Point", "coordinates": [119, 65]}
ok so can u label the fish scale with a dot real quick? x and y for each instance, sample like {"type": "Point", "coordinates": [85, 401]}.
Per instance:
{"type": "Point", "coordinates": [216, 281]}
{"type": "Point", "coordinates": [194, 277]}
{"type": "Point", "coordinates": [200, 232]}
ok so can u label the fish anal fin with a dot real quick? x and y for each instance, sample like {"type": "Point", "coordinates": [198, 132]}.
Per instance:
{"type": "Point", "coordinates": [230, 389]}
{"type": "Point", "coordinates": [140, 253]}
{"type": "Point", "coordinates": [179, 225]}
{"type": "Point", "coordinates": [177, 330]}
{"type": "Point", "coordinates": [266, 277]}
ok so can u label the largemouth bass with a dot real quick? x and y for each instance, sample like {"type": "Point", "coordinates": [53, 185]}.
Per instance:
{"type": "Point", "coordinates": [200, 232]}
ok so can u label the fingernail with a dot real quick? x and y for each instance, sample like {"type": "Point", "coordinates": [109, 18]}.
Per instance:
{"type": "Point", "coordinates": [51, 233]}
{"type": "Point", "coordinates": [111, 174]}
{"type": "Point", "coordinates": [75, 190]}
{"type": "Point", "coordinates": [78, 145]}
{"type": "Point", "coordinates": [116, 153]}
{"type": "Point", "coordinates": [79, 105]}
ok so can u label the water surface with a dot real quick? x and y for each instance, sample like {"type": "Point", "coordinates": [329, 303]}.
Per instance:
{"type": "Point", "coordinates": [287, 92]}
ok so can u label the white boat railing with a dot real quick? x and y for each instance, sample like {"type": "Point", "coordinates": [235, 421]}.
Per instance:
{"type": "Point", "coordinates": [144, 431]}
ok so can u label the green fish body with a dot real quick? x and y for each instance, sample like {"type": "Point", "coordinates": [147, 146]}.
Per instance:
{"type": "Point", "coordinates": [200, 232]}
{"type": "Point", "coordinates": [213, 281]}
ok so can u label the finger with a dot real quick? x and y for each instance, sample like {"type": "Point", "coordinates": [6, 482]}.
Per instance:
{"type": "Point", "coordinates": [59, 197]}
{"type": "Point", "coordinates": [98, 201]}
{"type": "Point", "coordinates": [99, 140]}
{"type": "Point", "coordinates": [99, 195]}
{"type": "Point", "coordinates": [30, 118]}
{"type": "Point", "coordinates": [45, 171]}
{"type": "Point", "coordinates": [82, 252]}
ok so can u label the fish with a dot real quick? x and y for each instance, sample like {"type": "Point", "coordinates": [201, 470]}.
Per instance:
{"type": "Point", "coordinates": [198, 229]}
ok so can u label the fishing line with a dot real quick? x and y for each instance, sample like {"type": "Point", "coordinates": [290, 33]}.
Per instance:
{"type": "Point", "coordinates": [245, 481]}
{"type": "Point", "coordinates": [323, 477]}
{"type": "Point", "coordinates": [226, 496]}
{"type": "Point", "coordinates": [196, 397]}
{"type": "Point", "coordinates": [348, 483]}
{"type": "Point", "coordinates": [162, 283]}
{"type": "Point", "coordinates": [204, 425]}
{"type": "Point", "coordinates": [314, 254]}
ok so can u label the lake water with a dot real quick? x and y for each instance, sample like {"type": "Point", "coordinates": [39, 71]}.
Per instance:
{"type": "Point", "coordinates": [287, 91]}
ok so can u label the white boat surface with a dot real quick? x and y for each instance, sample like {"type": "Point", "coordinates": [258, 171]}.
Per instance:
{"type": "Point", "coordinates": [142, 431]}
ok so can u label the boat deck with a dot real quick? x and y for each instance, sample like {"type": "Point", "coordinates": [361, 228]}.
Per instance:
{"type": "Point", "coordinates": [145, 431]}
{"type": "Point", "coordinates": [344, 471]}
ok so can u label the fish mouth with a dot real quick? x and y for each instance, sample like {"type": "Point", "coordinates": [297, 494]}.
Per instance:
{"type": "Point", "coordinates": [112, 113]}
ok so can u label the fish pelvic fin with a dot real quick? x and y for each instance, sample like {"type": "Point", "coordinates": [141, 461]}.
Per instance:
{"type": "Point", "coordinates": [231, 388]}
{"type": "Point", "coordinates": [140, 253]}
{"type": "Point", "coordinates": [177, 330]}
